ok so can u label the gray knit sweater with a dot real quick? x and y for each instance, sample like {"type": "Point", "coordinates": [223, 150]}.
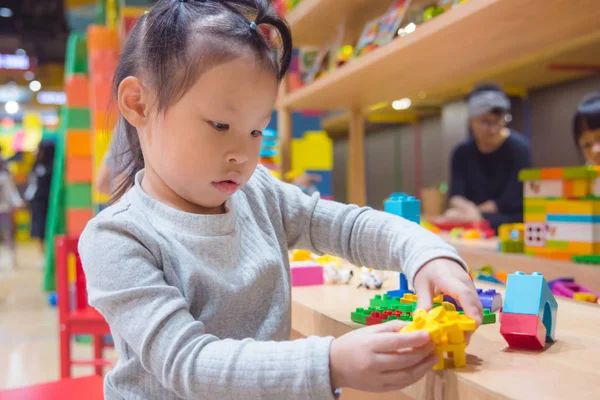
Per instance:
{"type": "Point", "coordinates": [199, 305]}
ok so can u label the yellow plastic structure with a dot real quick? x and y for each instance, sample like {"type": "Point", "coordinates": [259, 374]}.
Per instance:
{"type": "Point", "coordinates": [409, 298]}
{"type": "Point", "coordinates": [301, 255]}
{"type": "Point", "coordinates": [446, 330]}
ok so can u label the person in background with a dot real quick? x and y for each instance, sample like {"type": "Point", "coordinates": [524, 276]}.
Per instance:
{"type": "Point", "coordinates": [484, 169]}
{"type": "Point", "coordinates": [10, 199]}
{"type": "Point", "coordinates": [38, 190]}
{"type": "Point", "coordinates": [586, 128]}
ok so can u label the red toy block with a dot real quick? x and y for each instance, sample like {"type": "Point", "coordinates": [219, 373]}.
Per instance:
{"type": "Point", "coordinates": [77, 219]}
{"type": "Point", "coordinates": [77, 91]}
{"type": "Point", "coordinates": [79, 143]}
{"type": "Point", "coordinates": [89, 388]}
{"type": "Point", "coordinates": [376, 318]}
{"type": "Point", "coordinates": [523, 331]}
{"type": "Point", "coordinates": [79, 170]}
{"type": "Point", "coordinates": [448, 226]}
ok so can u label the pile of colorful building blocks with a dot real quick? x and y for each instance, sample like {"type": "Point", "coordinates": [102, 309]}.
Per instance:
{"type": "Point", "coordinates": [562, 211]}
{"type": "Point", "coordinates": [528, 317]}
{"type": "Point", "coordinates": [446, 329]}
{"type": "Point", "coordinates": [401, 304]}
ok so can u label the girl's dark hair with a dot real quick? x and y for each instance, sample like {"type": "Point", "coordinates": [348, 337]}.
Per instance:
{"type": "Point", "coordinates": [488, 87]}
{"type": "Point", "coordinates": [587, 117]}
{"type": "Point", "coordinates": [177, 40]}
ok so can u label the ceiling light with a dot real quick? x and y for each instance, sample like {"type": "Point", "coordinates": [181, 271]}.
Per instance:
{"type": "Point", "coordinates": [402, 104]}
{"type": "Point", "coordinates": [35, 86]}
{"type": "Point", "coordinates": [12, 107]}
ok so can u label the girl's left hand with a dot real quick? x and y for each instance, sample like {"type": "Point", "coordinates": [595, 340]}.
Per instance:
{"type": "Point", "coordinates": [443, 275]}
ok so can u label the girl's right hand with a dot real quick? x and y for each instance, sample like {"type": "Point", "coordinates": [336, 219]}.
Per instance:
{"type": "Point", "coordinates": [379, 359]}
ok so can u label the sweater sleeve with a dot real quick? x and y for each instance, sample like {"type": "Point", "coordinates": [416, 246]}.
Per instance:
{"type": "Point", "coordinates": [511, 200]}
{"type": "Point", "coordinates": [363, 236]}
{"type": "Point", "coordinates": [458, 181]}
{"type": "Point", "coordinates": [126, 284]}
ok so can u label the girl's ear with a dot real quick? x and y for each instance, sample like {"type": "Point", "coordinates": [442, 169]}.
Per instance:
{"type": "Point", "coordinates": [132, 99]}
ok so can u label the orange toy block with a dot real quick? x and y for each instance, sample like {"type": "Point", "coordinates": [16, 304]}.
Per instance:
{"type": "Point", "coordinates": [77, 219]}
{"type": "Point", "coordinates": [552, 173]}
{"type": "Point", "coordinates": [77, 91]}
{"type": "Point", "coordinates": [101, 37]}
{"type": "Point", "coordinates": [79, 169]}
{"type": "Point", "coordinates": [79, 143]}
{"type": "Point", "coordinates": [568, 188]}
{"type": "Point", "coordinates": [105, 121]}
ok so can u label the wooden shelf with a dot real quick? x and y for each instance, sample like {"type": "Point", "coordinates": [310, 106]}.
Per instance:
{"type": "Point", "coordinates": [510, 40]}
{"type": "Point", "coordinates": [314, 22]}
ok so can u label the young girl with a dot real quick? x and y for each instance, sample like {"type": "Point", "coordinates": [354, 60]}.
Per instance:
{"type": "Point", "coordinates": [190, 267]}
{"type": "Point", "coordinates": [586, 128]}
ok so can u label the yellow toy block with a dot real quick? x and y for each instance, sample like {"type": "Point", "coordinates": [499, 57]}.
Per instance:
{"type": "Point", "coordinates": [580, 247]}
{"type": "Point", "coordinates": [313, 152]}
{"type": "Point", "coordinates": [22, 236]}
{"type": "Point", "coordinates": [586, 207]}
{"type": "Point", "coordinates": [409, 298]}
{"type": "Point", "coordinates": [531, 217]}
{"type": "Point", "coordinates": [22, 217]}
{"type": "Point", "coordinates": [589, 297]}
{"type": "Point", "coordinates": [472, 234]}
{"type": "Point", "coordinates": [448, 306]}
{"type": "Point", "coordinates": [581, 187]}
{"type": "Point", "coordinates": [446, 330]}
{"type": "Point", "coordinates": [101, 145]}
{"type": "Point", "coordinates": [100, 198]}
{"type": "Point", "coordinates": [327, 259]}
{"type": "Point", "coordinates": [558, 207]}
{"type": "Point", "coordinates": [301, 255]}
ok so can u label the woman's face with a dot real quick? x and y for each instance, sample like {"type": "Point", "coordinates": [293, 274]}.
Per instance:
{"type": "Point", "coordinates": [589, 142]}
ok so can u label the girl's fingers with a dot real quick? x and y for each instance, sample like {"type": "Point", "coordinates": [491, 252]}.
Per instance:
{"type": "Point", "coordinates": [395, 361]}
{"type": "Point", "coordinates": [402, 378]}
{"type": "Point", "coordinates": [388, 342]}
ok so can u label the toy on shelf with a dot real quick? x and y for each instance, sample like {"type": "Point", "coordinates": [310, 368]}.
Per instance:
{"type": "Point", "coordinates": [487, 274]}
{"type": "Point", "coordinates": [561, 211]}
{"type": "Point", "coordinates": [446, 330]}
{"type": "Point", "coordinates": [306, 273]}
{"type": "Point", "coordinates": [404, 206]}
{"type": "Point", "coordinates": [512, 238]}
{"type": "Point", "coordinates": [567, 287]}
{"type": "Point", "coordinates": [592, 260]}
{"type": "Point", "coordinates": [528, 317]}
{"type": "Point", "coordinates": [369, 280]}
{"type": "Point", "coordinates": [449, 225]}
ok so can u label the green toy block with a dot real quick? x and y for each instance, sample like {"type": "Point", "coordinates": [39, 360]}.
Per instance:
{"type": "Point", "coordinates": [556, 244]}
{"type": "Point", "coordinates": [530, 174]}
{"type": "Point", "coordinates": [76, 55]}
{"type": "Point", "coordinates": [77, 118]}
{"type": "Point", "coordinates": [579, 172]}
{"type": "Point", "coordinates": [488, 317]}
{"type": "Point", "coordinates": [593, 259]}
{"type": "Point", "coordinates": [360, 315]}
{"type": "Point", "coordinates": [534, 209]}
{"type": "Point", "coordinates": [79, 195]}
{"type": "Point", "coordinates": [510, 246]}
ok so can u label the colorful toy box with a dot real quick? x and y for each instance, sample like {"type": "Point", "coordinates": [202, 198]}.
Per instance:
{"type": "Point", "coordinates": [561, 211]}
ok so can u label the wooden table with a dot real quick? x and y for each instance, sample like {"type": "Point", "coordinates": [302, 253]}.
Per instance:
{"type": "Point", "coordinates": [569, 368]}
{"type": "Point", "coordinates": [478, 253]}
{"type": "Point", "coordinates": [88, 388]}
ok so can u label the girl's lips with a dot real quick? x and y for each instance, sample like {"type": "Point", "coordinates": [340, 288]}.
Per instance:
{"type": "Point", "coordinates": [228, 187]}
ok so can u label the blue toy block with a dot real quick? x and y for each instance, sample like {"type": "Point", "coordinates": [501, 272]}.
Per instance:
{"type": "Point", "coordinates": [52, 299]}
{"type": "Point", "coordinates": [404, 206]}
{"type": "Point", "coordinates": [489, 278]}
{"type": "Point", "coordinates": [530, 294]}
{"type": "Point", "coordinates": [490, 299]}
{"type": "Point", "coordinates": [403, 288]}
{"type": "Point", "coordinates": [269, 134]}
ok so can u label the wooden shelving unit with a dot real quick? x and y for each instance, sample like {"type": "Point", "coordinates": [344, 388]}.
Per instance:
{"type": "Point", "coordinates": [509, 41]}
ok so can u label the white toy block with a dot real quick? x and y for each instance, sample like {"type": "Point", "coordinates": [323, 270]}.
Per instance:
{"type": "Point", "coordinates": [542, 189]}
{"type": "Point", "coordinates": [535, 234]}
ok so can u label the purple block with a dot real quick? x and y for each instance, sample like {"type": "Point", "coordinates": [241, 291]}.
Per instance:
{"type": "Point", "coordinates": [490, 299]}
{"type": "Point", "coordinates": [453, 301]}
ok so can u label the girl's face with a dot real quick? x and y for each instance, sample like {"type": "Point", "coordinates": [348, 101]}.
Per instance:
{"type": "Point", "coordinates": [207, 145]}
{"type": "Point", "coordinates": [589, 142]}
